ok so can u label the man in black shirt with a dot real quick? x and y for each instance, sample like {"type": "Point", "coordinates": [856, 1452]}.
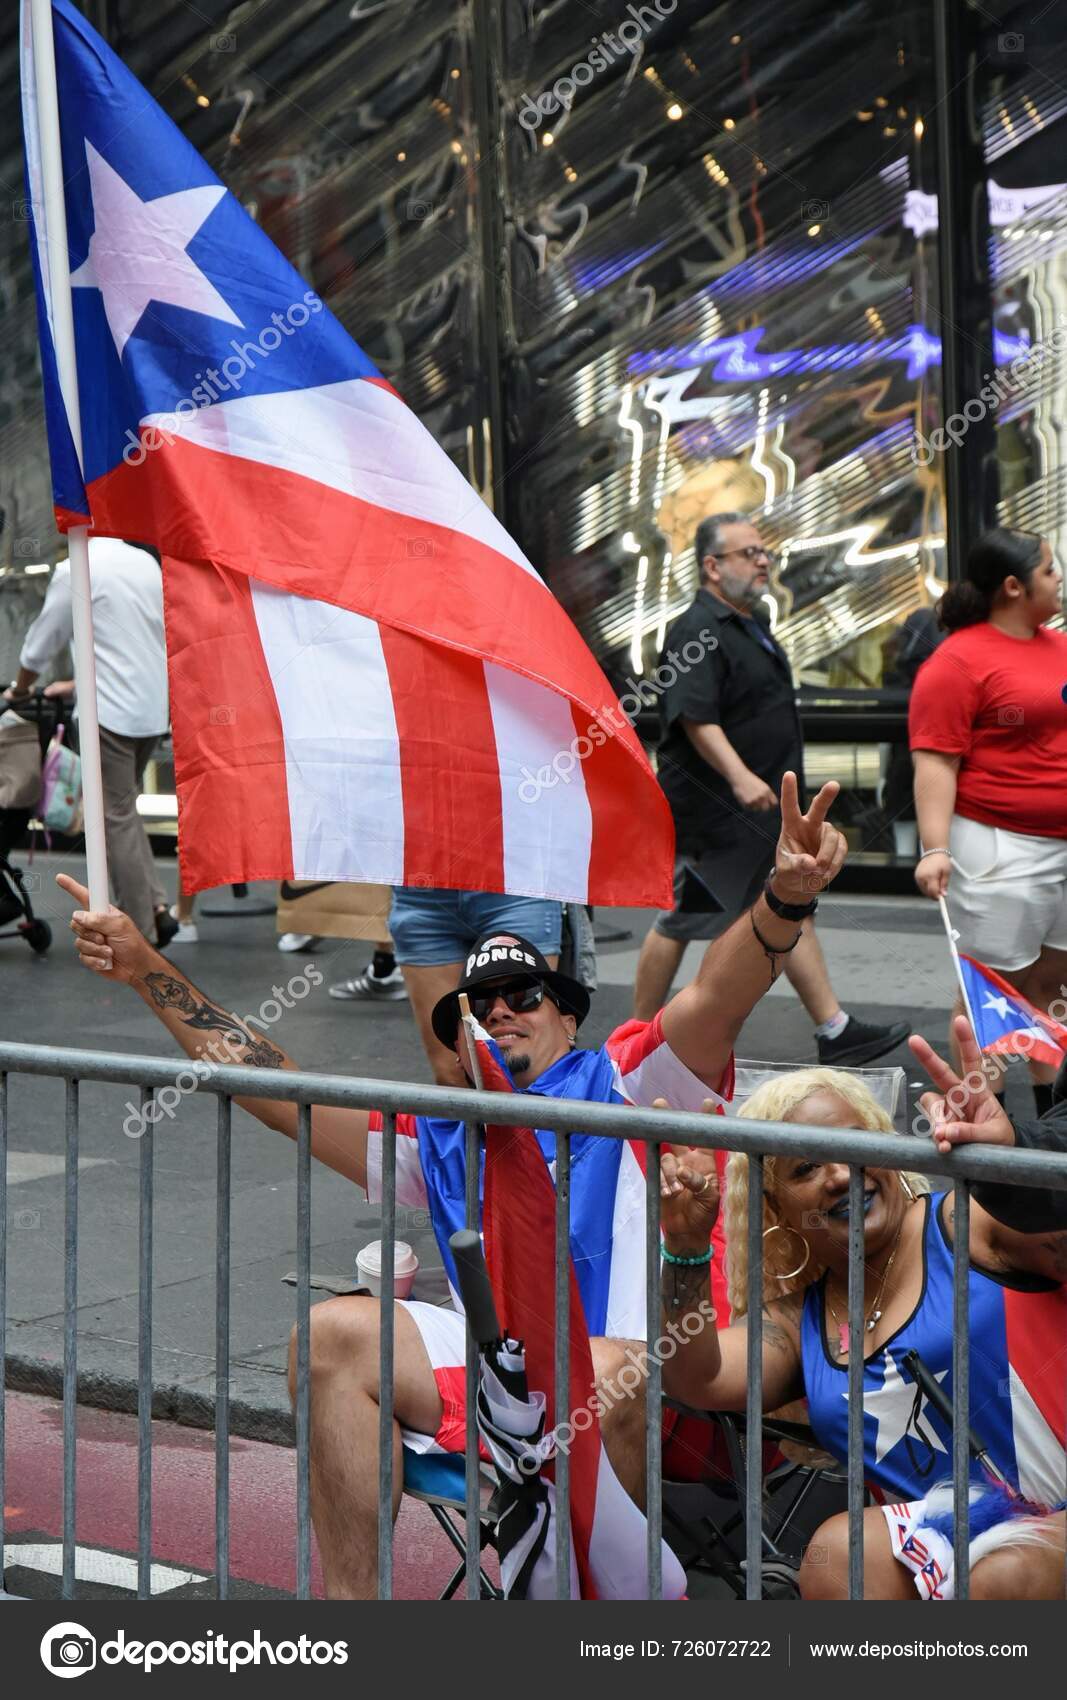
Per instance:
{"type": "Point", "coordinates": [730, 731]}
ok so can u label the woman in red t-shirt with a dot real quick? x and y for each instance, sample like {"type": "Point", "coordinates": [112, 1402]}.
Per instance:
{"type": "Point", "coordinates": [988, 733]}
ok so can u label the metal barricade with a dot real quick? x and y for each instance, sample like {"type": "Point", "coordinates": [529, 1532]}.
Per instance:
{"type": "Point", "coordinates": [564, 1117]}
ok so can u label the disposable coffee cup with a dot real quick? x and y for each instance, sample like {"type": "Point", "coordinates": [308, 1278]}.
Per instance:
{"type": "Point", "coordinates": [405, 1268]}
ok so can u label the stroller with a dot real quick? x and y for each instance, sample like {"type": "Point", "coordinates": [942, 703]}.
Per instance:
{"type": "Point", "coordinates": [26, 729]}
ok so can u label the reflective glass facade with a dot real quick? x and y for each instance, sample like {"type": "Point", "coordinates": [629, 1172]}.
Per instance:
{"type": "Point", "coordinates": [633, 264]}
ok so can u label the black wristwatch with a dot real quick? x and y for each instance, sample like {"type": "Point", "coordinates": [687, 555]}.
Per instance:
{"type": "Point", "coordinates": [788, 911]}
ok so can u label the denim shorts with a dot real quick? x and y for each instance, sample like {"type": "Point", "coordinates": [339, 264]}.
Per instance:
{"type": "Point", "coordinates": [430, 926]}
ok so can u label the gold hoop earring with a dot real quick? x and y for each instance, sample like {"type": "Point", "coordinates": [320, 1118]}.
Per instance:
{"type": "Point", "coordinates": [906, 1187]}
{"type": "Point", "coordinates": [778, 1228]}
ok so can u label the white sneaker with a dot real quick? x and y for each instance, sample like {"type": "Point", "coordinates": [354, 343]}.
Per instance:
{"type": "Point", "coordinates": [299, 941]}
{"type": "Point", "coordinates": [187, 931]}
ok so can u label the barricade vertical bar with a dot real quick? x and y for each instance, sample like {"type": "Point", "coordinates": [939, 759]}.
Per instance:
{"type": "Point", "coordinates": [386, 1342]}
{"type": "Point", "coordinates": [563, 1361]}
{"type": "Point", "coordinates": [70, 1340]}
{"type": "Point", "coordinates": [3, 1302]}
{"type": "Point", "coordinates": [222, 1349]}
{"type": "Point", "coordinates": [961, 1390]}
{"type": "Point", "coordinates": [856, 1343]}
{"type": "Point", "coordinates": [144, 1357]}
{"type": "Point", "coordinates": [303, 1353]}
{"type": "Point", "coordinates": [472, 1494]}
{"type": "Point", "coordinates": [754, 1409]}
{"type": "Point", "coordinates": [654, 1389]}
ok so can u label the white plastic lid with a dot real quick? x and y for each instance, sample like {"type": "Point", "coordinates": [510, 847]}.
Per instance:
{"type": "Point", "coordinates": [404, 1260]}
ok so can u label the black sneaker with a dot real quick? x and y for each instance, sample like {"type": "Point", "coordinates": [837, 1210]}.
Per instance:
{"type": "Point", "coordinates": [167, 928]}
{"type": "Point", "coordinates": [860, 1042]}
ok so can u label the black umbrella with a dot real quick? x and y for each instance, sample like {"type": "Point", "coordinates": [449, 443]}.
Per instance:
{"type": "Point", "coordinates": [511, 1422]}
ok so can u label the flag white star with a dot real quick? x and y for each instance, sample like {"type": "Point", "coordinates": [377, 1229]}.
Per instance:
{"type": "Point", "coordinates": [137, 251]}
{"type": "Point", "coordinates": [999, 1004]}
{"type": "Point", "coordinates": [891, 1406]}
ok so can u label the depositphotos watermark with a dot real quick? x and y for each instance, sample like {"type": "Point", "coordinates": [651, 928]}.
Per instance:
{"type": "Point", "coordinates": [624, 1385]}
{"type": "Point", "coordinates": [989, 397]}
{"type": "Point", "coordinates": [219, 1054]}
{"type": "Point", "coordinates": [223, 379]}
{"type": "Point", "coordinates": [607, 48]}
{"type": "Point", "coordinates": [640, 694]}
{"type": "Point", "coordinates": [70, 1650]}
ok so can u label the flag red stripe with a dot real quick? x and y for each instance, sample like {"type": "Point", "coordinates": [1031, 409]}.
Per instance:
{"type": "Point", "coordinates": [229, 753]}
{"type": "Point", "coordinates": [450, 774]}
{"type": "Point", "coordinates": [415, 576]}
{"type": "Point", "coordinates": [1031, 1320]}
{"type": "Point", "coordinates": [519, 1219]}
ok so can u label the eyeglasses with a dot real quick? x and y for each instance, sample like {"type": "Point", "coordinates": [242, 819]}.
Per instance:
{"type": "Point", "coordinates": [752, 552]}
{"type": "Point", "coordinates": [520, 996]}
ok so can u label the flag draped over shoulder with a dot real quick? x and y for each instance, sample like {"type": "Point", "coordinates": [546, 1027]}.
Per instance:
{"type": "Point", "coordinates": [608, 1532]}
{"type": "Point", "coordinates": [1005, 1021]}
{"type": "Point", "coordinates": [369, 681]}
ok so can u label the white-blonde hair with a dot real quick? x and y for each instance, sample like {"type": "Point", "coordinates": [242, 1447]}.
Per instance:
{"type": "Point", "coordinates": [778, 1100]}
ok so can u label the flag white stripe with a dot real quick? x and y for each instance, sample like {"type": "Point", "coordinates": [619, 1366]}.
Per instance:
{"type": "Point", "coordinates": [548, 828]}
{"type": "Point", "coordinates": [355, 437]}
{"type": "Point", "coordinates": [1038, 1454]}
{"type": "Point", "coordinates": [626, 1317]}
{"type": "Point", "coordinates": [342, 749]}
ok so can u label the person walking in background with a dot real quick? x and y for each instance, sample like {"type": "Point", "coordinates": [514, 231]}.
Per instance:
{"type": "Point", "coordinates": [434, 931]}
{"type": "Point", "coordinates": [730, 731]}
{"type": "Point", "coordinates": [988, 733]}
{"type": "Point", "coordinates": [131, 690]}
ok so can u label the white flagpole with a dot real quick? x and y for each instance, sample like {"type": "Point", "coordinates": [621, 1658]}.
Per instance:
{"type": "Point", "coordinates": [951, 935]}
{"type": "Point", "coordinates": [55, 235]}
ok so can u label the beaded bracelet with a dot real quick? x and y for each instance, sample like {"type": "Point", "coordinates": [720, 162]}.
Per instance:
{"type": "Point", "coordinates": [669, 1257]}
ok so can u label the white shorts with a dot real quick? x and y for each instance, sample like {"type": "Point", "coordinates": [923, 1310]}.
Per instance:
{"type": "Point", "coordinates": [444, 1334]}
{"type": "Point", "coordinates": [1007, 895]}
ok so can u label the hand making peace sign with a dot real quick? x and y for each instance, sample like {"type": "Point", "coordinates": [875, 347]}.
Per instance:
{"type": "Point", "coordinates": [810, 851]}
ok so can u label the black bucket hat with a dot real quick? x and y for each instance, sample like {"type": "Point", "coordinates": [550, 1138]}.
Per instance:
{"type": "Point", "coordinates": [506, 956]}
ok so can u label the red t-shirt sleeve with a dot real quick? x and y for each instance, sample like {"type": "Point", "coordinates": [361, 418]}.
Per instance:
{"type": "Point", "coordinates": [944, 704]}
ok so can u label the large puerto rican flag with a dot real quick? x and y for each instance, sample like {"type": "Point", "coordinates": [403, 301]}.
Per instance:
{"type": "Point", "coordinates": [369, 680]}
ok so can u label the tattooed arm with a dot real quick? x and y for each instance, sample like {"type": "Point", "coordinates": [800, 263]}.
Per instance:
{"type": "Point", "coordinates": [110, 944]}
{"type": "Point", "coordinates": [710, 1368]}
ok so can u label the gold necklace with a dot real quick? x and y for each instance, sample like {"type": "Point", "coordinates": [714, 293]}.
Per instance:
{"type": "Point", "coordinates": [874, 1315]}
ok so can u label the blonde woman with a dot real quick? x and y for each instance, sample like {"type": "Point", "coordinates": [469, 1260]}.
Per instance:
{"type": "Point", "coordinates": [1018, 1308]}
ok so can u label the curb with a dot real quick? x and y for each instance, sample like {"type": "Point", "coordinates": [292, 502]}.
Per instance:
{"type": "Point", "coordinates": [170, 1403]}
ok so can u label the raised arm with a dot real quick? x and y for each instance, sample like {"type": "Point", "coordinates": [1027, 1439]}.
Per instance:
{"type": "Point", "coordinates": [709, 1369]}
{"type": "Point", "coordinates": [701, 1022]}
{"type": "Point", "coordinates": [110, 945]}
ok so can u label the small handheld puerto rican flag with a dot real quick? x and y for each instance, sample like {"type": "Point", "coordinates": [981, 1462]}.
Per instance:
{"type": "Point", "coordinates": [1003, 1020]}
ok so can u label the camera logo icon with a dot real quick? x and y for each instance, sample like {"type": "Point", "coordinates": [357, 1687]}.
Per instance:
{"type": "Point", "coordinates": [68, 1650]}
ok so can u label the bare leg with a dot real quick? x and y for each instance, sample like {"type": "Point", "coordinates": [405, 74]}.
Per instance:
{"type": "Point", "coordinates": [425, 986]}
{"type": "Point", "coordinates": [657, 965]}
{"type": "Point", "coordinates": [807, 973]}
{"type": "Point", "coordinates": [620, 1380]}
{"type": "Point", "coordinates": [1031, 1572]}
{"type": "Point", "coordinates": [824, 1569]}
{"type": "Point", "coordinates": [344, 1432]}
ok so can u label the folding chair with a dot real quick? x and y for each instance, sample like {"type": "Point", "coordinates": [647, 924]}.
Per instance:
{"type": "Point", "coordinates": [704, 1519]}
{"type": "Point", "coordinates": [438, 1479]}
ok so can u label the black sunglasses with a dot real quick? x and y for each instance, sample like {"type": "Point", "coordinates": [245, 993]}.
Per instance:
{"type": "Point", "coordinates": [519, 995]}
